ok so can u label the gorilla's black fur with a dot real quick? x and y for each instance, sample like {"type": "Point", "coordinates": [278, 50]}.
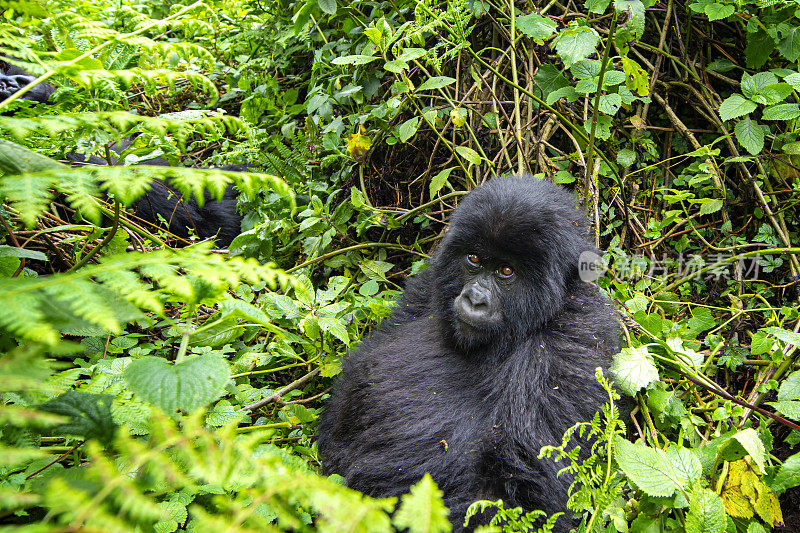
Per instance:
{"type": "Point", "coordinates": [472, 401]}
{"type": "Point", "coordinates": [14, 78]}
{"type": "Point", "coordinates": [216, 219]}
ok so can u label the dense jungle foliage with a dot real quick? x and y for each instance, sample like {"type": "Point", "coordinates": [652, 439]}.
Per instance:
{"type": "Point", "coordinates": [150, 384]}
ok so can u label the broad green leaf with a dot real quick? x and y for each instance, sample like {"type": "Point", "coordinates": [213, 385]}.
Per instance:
{"type": "Point", "coordinates": [587, 69]}
{"type": "Point", "coordinates": [750, 135]}
{"type": "Point", "coordinates": [327, 6]}
{"type": "Point", "coordinates": [749, 440]}
{"type": "Point", "coordinates": [789, 46]}
{"type": "Point", "coordinates": [335, 327]}
{"type": "Point", "coordinates": [436, 82]}
{"type": "Point", "coordinates": [649, 468]}
{"type": "Point", "coordinates": [706, 511]}
{"type": "Point", "coordinates": [711, 206]}
{"type": "Point", "coordinates": [789, 409]}
{"type": "Point", "coordinates": [548, 79]}
{"type": "Point", "coordinates": [718, 12]}
{"type": "Point", "coordinates": [753, 85]}
{"type": "Point", "coordinates": [634, 26]}
{"type": "Point", "coordinates": [13, 251]}
{"type": "Point", "coordinates": [613, 78]}
{"type": "Point", "coordinates": [89, 414]}
{"type": "Point", "coordinates": [685, 463]}
{"type": "Point", "coordinates": [761, 344]}
{"type": "Point", "coordinates": [602, 128]}
{"type": "Point", "coordinates": [219, 334]}
{"type": "Point", "coordinates": [469, 154]}
{"type": "Point", "coordinates": [422, 509]}
{"type": "Point", "coordinates": [576, 43]}
{"type": "Point", "coordinates": [407, 129]}
{"type": "Point", "coordinates": [354, 60]}
{"type": "Point", "coordinates": [537, 27]}
{"type": "Point", "coordinates": [781, 112]}
{"type": "Point", "coordinates": [793, 80]}
{"type": "Point", "coordinates": [735, 106]}
{"type": "Point", "coordinates": [395, 66]}
{"type": "Point", "coordinates": [439, 180]}
{"type": "Point", "coordinates": [409, 54]}
{"type": "Point", "coordinates": [626, 157]}
{"type": "Point", "coordinates": [788, 475]}
{"type": "Point", "coordinates": [567, 92]}
{"type": "Point", "coordinates": [790, 388]}
{"type": "Point", "coordinates": [188, 385]}
{"type": "Point", "coordinates": [597, 6]}
{"type": "Point", "coordinates": [633, 369]}
{"type": "Point", "coordinates": [609, 103]}
{"type": "Point", "coordinates": [789, 337]}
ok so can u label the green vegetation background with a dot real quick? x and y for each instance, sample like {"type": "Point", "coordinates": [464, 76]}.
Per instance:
{"type": "Point", "coordinates": [151, 386]}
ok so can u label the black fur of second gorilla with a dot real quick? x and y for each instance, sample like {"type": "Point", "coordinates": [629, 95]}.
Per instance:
{"type": "Point", "coordinates": [217, 219]}
{"type": "Point", "coordinates": [490, 354]}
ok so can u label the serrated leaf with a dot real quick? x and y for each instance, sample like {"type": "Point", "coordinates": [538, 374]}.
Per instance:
{"type": "Point", "coordinates": [187, 385]}
{"type": "Point", "coordinates": [576, 43]}
{"type": "Point", "coordinates": [793, 79]}
{"type": "Point", "coordinates": [735, 106]}
{"type": "Point", "coordinates": [609, 103]}
{"type": "Point", "coordinates": [789, 46]}
{"type": "Point", "coordinates": [422, 509]}
{"type": "Point", "coordinates": [788, 475]}
{"type": "Point", "coordinates": [718, 11]}
{"type": "Point", "coordinates": [436, 82]}
{"type": "Point", "coordinates": [789, 409]}
{"type": "Point", "coordinates": [537, 27]}
{"type": "Point", "coordinates": [469, 154]}
{"type": "Point", "coordinates": [750, 135]}
{"type": "Point", "coordinates": [602, 128]}
{"type": "Point", "coordinates": [755, 84]}
{"type": "Point", "coordinates": [706, 511]}
{"type": "Point", "coordinates": [781, 112]}
{"type": "Point", "coordinates": [633, 369]}
{"type": "Point", "coordinates": [789, 337]}
{"type": "Point", "coordinates": [90, 414]}
{"type": "Point", "coordinates": [649, 468]}
{"type": "Point", "coordinates": [335, 327]}
{"type": "Point", "coordinates": [685, 462]}
{"type": "Point", "coordinates": [790, 388]}
{"type": "Point", "coordinates": [712, 206]}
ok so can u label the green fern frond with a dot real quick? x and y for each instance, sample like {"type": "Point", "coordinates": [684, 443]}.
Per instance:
{"type": "Point", "coordinates": [93, 79]}
{"type": "Point", "coordinates": [119, 124]}
{"type": "Point", "coordinates": [257, 487]}
{"type": "Point", "coordinates": [86, 292]}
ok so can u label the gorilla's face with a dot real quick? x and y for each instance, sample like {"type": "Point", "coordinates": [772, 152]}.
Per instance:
{"type": "Point", "coordinates": [479, 306]}
{"type": "Point", "coordinates": [503, 267]}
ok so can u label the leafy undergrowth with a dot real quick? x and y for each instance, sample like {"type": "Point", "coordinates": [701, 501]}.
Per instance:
{"type": "Point", "coordinates": [154, 384]}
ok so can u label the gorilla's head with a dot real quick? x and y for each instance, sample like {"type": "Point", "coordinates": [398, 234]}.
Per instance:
{"type": "Point", "coordinates": [504, 266]}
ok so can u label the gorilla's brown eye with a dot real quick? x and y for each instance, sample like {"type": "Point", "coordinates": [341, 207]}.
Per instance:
{"type": "Point", "coordinates": [474, 259]}
{"type": "Point", "coordinates": [505, 271]}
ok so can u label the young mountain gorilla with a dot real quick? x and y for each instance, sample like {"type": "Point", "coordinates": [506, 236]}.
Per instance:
{"type": "Point", "coordinates": [490, 355]}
